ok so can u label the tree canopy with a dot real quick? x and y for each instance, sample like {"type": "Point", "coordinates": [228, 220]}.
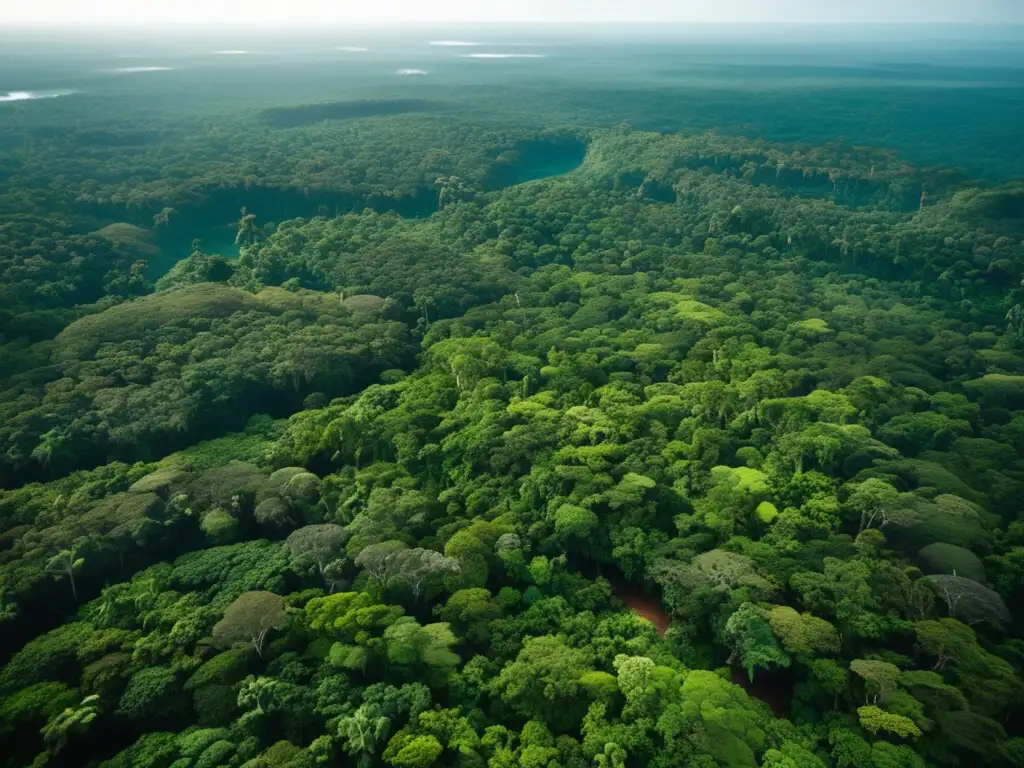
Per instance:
{"type": "Point", "coordinates": [465, 441]}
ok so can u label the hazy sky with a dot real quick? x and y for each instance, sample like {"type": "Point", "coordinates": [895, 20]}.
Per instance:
{"type": "Point", "coordinates": [313, 12]}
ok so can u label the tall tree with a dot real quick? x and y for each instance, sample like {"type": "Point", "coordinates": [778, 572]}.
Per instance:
{"type": "Point", "coordinates": [250, 618]}
{"type": "Point", "coordinates": [319, 548]}
{"type": "Point", "coordinates": [66, 563]}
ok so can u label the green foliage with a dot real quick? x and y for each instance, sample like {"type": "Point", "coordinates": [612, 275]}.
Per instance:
{"type": "Point", "coordinates": [229, 571]}
{"type": "Point", "coordinates": [35, 704]}
{"type": "Point", "coordinates": [575, 521]}
{"type": "Point", "coordinates": [152, 694]}
{"type": "Point", "coordinates": [220, 526]}
{"type": "Point", "coordinates": [316, 547]}
{"type": "Point", "coordinates": [715, 718]}
{"type": "Point", "coordinates": [968, 600]}
{"type": "Point", "coordinates": [215, 755]}
{"type": "Point", "coordinates": [767, 512]}
{"type": "Point", "coordinates": [750, 635]}
{"type": "Point", "coordinates": [471, 610]}
{"type": "Point", "coordinates": [249, 619]}
{"type": "Point", "coordinates": [215, 705]}
{"type": "Point", "coordinates": [951, 559]}
{"type": "Point", "coordinates": [803, 634]}
{"type": "Point", "coordinates": [52, 656]}
{"type": "Point", "coordinates": [192, 356]}
{"type": "Point", "coordinates": [194, 743]}
{"type": "Point", "coordinates": [421, 752]}
{"type": "Point", "coordinates": [470, 407]}
{"type": "Point", "coordinates": [70, 721]}
{"type": "Point", "coordinates": [880, 677]}
{"type": "Point", "coordinates": [151, 750]}
{"type": "Point", "coordinates": [227, 667]}
{"type": "Point", "coordinates": [544, 682]}
{"type": "Point", "coordinates": [876, 721]}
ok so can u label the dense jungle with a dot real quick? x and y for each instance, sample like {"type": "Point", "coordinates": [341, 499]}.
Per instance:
{"type": "Point", "coordinates": [535, 399]}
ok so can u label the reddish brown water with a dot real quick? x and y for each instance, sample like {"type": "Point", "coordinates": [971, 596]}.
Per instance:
{"type": "Point", "coordinates": [642, 604]}
{"type": "Point", "coordinates": [773, 692]}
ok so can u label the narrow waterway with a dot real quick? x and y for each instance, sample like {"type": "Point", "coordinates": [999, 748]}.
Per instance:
{"type": "Point", "coordinates": [642, 604]}
{"type": "Point", "coordinates": [775, 690]}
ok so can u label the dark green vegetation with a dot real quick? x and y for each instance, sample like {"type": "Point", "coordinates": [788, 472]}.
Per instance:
{"type": "Point", "coordinates": [290, 117]}
{"type": "Point", "coordinates": [373, 492]}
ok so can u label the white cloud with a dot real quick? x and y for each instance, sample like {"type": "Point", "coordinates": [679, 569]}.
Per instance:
{"type": "Point", "coordinates": [133, 70]}
{"type": "Point", "coordinates": [319, 12]}
{"type": "Point", "coordinates": [32, 95]}
{"type": "Point", "coordinates": [503, 55]}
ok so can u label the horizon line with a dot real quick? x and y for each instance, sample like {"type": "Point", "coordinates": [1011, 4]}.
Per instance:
{"type": "Point", "coordinates": [319, 25]}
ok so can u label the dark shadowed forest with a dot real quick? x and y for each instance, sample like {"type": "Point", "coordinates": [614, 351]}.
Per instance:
{"type": "Point", "coordinates": [634, 403]}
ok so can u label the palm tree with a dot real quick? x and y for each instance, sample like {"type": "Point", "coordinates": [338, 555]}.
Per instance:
{"type": "Point", "coordinates": [247, 231]}
{"type": "Point", "coordinates": [53, 445]}
{"type": "Point", "coordinates": [65, 563]}
{"type": "Point", "coordinates": [362, 731]}
{"type": "Point", "coordinates": [71, 720]}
